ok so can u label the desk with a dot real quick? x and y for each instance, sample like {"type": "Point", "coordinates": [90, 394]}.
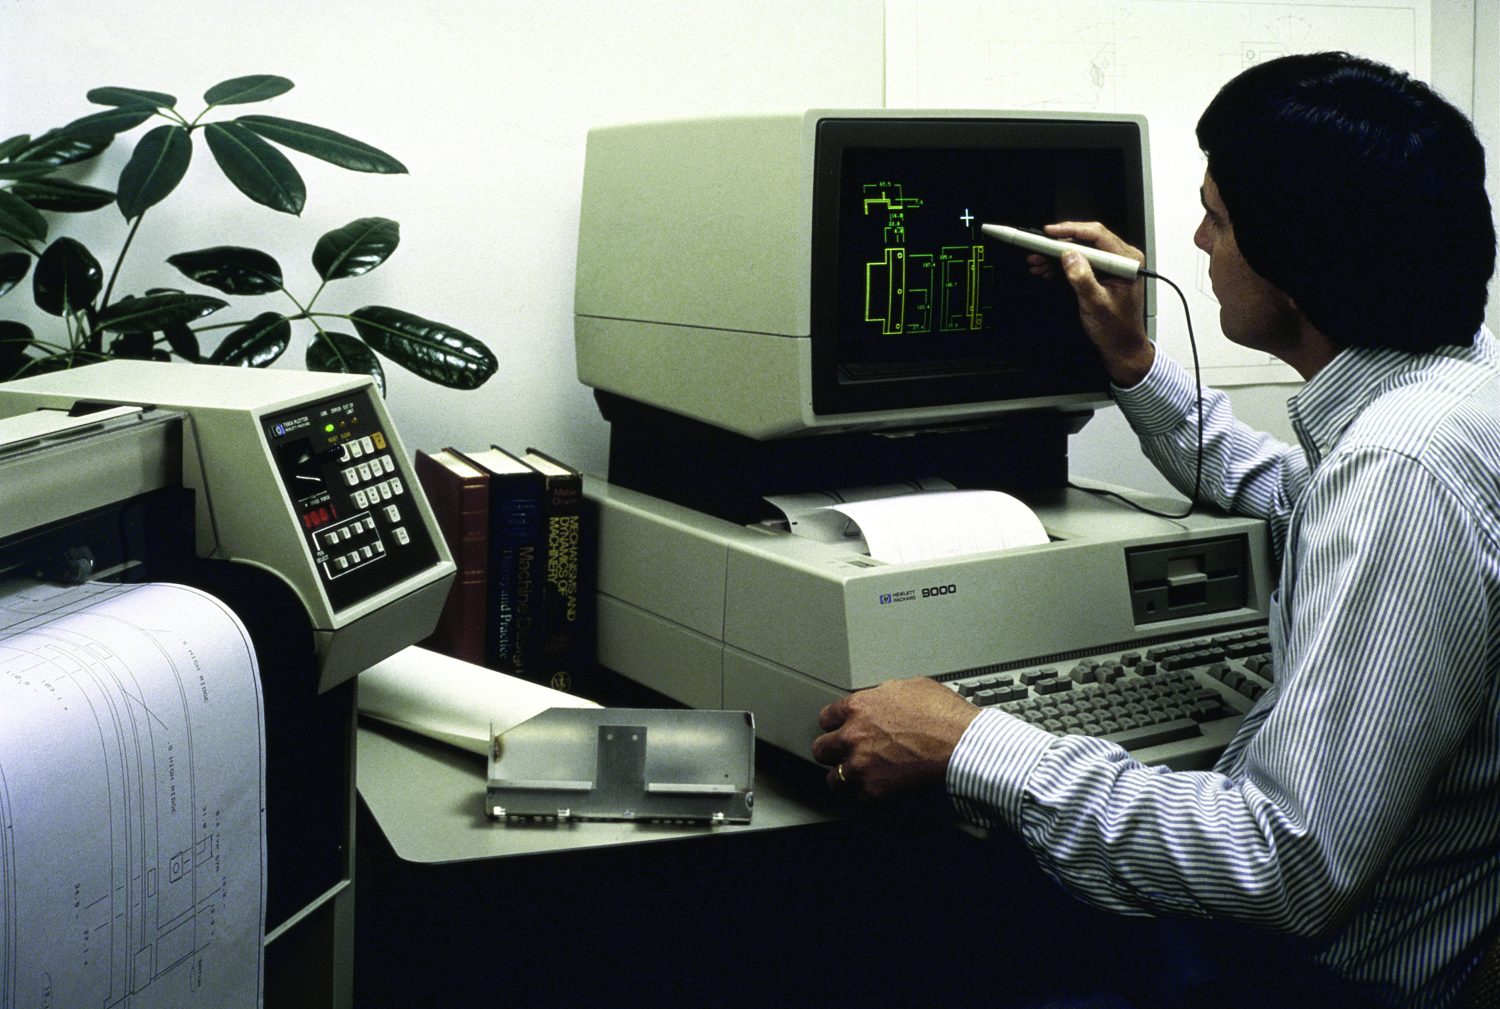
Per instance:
{"type": "Point", "coordinates": [809, 904]}
{"type": "Point", "coordinates": [428, 799]}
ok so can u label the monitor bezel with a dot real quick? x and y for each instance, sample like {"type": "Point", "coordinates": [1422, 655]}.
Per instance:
{"type": "Point", "coordinates": [833, 393]}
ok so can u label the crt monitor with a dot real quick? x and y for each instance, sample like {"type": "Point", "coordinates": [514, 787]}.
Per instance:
{"type": "Point", "coordinates": [785, 275]}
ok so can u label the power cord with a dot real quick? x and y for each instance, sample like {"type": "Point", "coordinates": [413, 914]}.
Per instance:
{"type": "Point", "coordinates": [1198, 463]}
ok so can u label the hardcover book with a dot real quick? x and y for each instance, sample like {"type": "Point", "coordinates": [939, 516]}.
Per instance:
{"type": "Point", "coordinates": [459, 494]}
{"type": "Point", "coordinates": [514, 606]}
{"type": "Point", "coordinates": [563, 638]}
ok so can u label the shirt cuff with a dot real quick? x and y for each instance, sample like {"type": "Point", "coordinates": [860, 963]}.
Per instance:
{"type": "Point", "coordinates": [988, 771]}
{"type": "Point", "coordinates": [1157, 403]}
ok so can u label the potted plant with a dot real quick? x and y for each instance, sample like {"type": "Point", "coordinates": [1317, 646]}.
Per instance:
{"type": "Point", "coordinates": [94, 322]}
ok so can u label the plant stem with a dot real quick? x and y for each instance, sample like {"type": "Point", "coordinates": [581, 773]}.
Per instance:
{"type": "Point", "coordinates": [120, 259]}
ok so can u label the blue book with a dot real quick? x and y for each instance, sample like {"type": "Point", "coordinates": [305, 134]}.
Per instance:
{"type": "Point", "coordinates": [517, 555]}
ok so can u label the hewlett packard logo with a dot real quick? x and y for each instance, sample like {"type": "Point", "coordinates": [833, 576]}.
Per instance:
{"type": "Point", "coordinates": [910, 595]}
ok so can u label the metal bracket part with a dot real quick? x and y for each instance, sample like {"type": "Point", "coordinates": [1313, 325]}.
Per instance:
{"type": "Point", "coordinates": [625, 764]}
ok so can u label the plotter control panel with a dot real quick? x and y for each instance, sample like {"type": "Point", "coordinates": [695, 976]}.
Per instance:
{"type": "Point", "coordinates": [299, 473]}
{"type": "Point", "coordinates": [352, 494]}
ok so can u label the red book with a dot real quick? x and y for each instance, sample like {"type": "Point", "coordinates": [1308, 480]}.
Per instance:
{"type": "Point", "coordinates": [459, 494]}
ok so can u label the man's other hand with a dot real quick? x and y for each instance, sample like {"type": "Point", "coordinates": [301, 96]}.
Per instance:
{"type": "Point", "coordinates": [892, 739]}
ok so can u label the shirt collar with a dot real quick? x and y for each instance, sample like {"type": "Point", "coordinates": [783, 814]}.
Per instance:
{"type": "Point", "coordinates": [1322, 410]}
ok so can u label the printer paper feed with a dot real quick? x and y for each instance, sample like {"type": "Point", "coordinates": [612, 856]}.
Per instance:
{"type": "Point", "coordinates": [810, 514]}
{"type": "Point", "coordinates": [922, 527]}
{"type": "Point", "coordinates": [132, 811]}
{"type": "Point", "coordinates": [453, 701]}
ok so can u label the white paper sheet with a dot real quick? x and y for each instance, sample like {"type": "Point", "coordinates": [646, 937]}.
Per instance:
{"type": "Point", "coordinates": [132, 800]}
{"type": "Point", "coordinates": [921, 527]}
{"type": "Point", "coordinates": [453, 701]}
{"type": "Point", "coordinates": [809, 514]}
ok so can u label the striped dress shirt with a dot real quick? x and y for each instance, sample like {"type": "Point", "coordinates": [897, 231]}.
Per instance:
{"type": "Point", "coordinates": [1358, 806]}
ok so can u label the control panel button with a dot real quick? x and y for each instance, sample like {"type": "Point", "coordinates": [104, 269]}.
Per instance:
{"type": "Point", "coordinates": [402, 536]}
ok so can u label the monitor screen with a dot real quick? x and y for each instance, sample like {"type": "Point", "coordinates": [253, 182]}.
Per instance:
{"type": "Point", "coordinates": [911, 306]}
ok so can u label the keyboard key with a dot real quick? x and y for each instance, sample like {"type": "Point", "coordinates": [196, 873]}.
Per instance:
{"type": "Point", "coordinates": [1206, 711]}
{"type": "Point", "coordinates": [1154, 735]}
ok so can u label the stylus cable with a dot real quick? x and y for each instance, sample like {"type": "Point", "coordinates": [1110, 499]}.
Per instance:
{"type": "Point", "coordinates": [1198, 462]}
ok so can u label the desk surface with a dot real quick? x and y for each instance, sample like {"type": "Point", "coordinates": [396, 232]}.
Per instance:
{"type": "Point", "coordinates": [428, 798]}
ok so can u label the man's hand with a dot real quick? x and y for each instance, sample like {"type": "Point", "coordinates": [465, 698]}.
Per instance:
{"type": "Point", "coordinates": [892, 739]}
{"type": "Point", "coordinates": [1110, 307]}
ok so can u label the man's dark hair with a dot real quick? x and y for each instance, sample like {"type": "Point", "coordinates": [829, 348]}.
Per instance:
{"type": "Point", "coordinates": [1359, 192]}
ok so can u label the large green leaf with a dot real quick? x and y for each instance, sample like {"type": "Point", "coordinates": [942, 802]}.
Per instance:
{"type": "Point", "coordinates": [12, 170]}
{"type": "Point", "coordinates": [232, 269]}
{"type": "Point", "coordinates": [358, 247]}
{"type": "Point", "coordinates": [67, 278]}
{"type": "Point", "coordinates": [131, 98]}
{"type": "Point", "coordinates": [256, 344]}
{"type": "Point", "coordinates": [19, 219]}
{"type": "Point", "coordinates": [110, 121]}
{"type": "Point", "coordinates": [11, 145]}
{"type": "Point", "coordinates": [183, 341]}
{"type": "Point", "coordinates": [325, 144]}
{"type": "Point", "coordinates": [14, 339]}
{"type": "Point", "coordinates": [156, 311]}
{"type": "Point", "coordinates": [438, 353]}
{"type": "Point", "coordinates": [62, 195]}
{"type": "Point", "coordinates": [243, 90]}
{"type": "Point", "coordinates": [256, 168]}
{"type": "Point", "coordinates": [159, 162]}
{"type": "Point", "coordinates": [343, 354]}
{"type": "Point", "coordinates": [66, 146]}
{"type": "Point", "coordinates": [137, 345]}
{"type": "Point", "coordinates": [13, 267]}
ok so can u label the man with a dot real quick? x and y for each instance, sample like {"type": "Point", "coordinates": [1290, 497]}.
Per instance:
{"type": "Point", "coordinates": [1358, 808]}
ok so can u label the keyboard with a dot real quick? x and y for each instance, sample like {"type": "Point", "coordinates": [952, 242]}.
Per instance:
{"type": "Point", "coordinates": [1176, 703]}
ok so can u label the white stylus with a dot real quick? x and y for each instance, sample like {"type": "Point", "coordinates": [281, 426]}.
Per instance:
{"type": "Point", "coordinates": [1105, 262]}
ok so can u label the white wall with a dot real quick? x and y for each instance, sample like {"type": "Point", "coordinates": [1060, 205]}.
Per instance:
{"type": "Point", "coordinates": [487, 103]}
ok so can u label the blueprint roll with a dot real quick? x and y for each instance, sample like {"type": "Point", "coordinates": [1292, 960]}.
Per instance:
{"type": "Point", "coordinates": [132, 799]}
{"type": "Point", "coordinates": [453, 701]}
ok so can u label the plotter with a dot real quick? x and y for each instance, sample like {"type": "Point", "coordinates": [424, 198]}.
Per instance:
{"type": "Point", "coordinates": [288, 496]}
{"type": "Point", "coordinates": [783, 304]}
